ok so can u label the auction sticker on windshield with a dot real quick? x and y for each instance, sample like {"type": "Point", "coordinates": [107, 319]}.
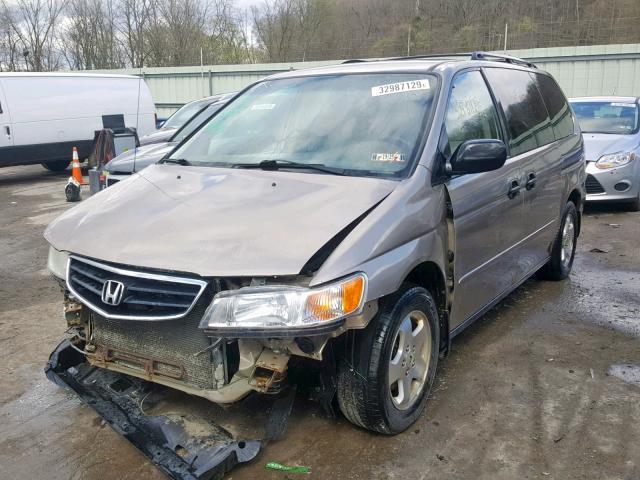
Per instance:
{"type": "Point", "coordinates": [400, 87]}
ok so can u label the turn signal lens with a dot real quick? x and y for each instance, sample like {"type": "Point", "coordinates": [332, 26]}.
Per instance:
{"type": "Point", "coordinates": [337, 300]}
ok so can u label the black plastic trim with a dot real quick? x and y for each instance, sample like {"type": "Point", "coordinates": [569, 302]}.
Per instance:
{"type": "Point", "coordinates": [43, 152]}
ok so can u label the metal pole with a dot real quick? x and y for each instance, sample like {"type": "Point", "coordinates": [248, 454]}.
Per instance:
{"type": "Point", "coordinates": [506, 34]}
{"type": "Point", "coordinates": [202, 71]}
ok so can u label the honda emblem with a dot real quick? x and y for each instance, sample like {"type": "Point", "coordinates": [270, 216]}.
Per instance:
{"type": "Point", "coordinates": [112, 292]}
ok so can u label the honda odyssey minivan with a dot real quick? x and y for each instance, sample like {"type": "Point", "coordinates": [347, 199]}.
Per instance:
{"type": "Point", "coordinates": [349, 220]}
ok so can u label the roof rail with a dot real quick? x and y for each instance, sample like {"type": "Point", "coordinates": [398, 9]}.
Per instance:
{"type": "Point", "coordinates": [410, 57]}
{"type": "Point", "coordinates": [471, 56]}
{"type": "Point", "coordinates": [504, 58]}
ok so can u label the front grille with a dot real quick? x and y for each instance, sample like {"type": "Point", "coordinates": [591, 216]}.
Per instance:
{"type": "Point", "coordinates": [593, 186]}
{"type": "Point", "coordinates": [143, 295]}
{"type": "Point", "coordinates": [172, 349]}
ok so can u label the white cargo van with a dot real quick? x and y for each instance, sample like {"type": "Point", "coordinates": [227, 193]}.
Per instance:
{"type": "Point", "coordinates": [44, 115]}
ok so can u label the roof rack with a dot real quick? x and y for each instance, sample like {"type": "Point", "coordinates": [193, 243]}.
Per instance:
{"type": "Point", "coordinates": [410, 57]}
{"type": "Point", "coordinates": [471, 56]}
{"type": "Point", "coordinates": [504, 58]}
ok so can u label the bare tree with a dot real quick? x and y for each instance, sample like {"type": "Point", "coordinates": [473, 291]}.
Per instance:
{"type": "Point", "coordinates": [134, 20]}
{"type": "Point", "coordinates": [34, 23]}
{"type": "Point", "coordinates": [91, 35]}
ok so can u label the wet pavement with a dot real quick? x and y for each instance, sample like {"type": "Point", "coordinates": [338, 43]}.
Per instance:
{"type": "Point", "coordinates": [546, 385]}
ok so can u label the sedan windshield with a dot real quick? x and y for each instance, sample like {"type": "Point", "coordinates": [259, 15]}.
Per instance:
{"type": "Point", "coordinates": [607, 117]}
{"type": "Point", "coordinates": [183, 115]}
{"type": "Point", "coordinates": [197, 120]}
{"type": "Point", "coordinates": [353, 124]}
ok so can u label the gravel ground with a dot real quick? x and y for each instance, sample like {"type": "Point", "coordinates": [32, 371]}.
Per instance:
{"type": "Point", "coordinates": [546, 385]}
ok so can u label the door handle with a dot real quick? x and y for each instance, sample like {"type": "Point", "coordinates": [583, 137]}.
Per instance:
{"type": "Point", "coordinates": [7, 130]}
{"type": "Point", "coordinates": [514, 189]}
{"type": "Point", "coordinates": [531, 181]}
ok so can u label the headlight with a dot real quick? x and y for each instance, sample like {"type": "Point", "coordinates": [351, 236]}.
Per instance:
{"type": "Point", "coordinates": [614, 160]}
{"type": "Point", "coordinates": [57, 263]}
{"type": "Point", "coordinates": [277, 307]}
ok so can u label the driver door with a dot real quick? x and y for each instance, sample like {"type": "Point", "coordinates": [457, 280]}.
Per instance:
{"type": "Point", "coordinates": [487, 207]}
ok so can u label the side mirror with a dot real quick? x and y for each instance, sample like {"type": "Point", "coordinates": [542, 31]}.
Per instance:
{"type": "Point", "coordinates": [476, 156]}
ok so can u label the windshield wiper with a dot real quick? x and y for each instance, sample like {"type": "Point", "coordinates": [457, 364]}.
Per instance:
{"type": "Point", "coordinates": [278, 164]}
{"type": "Point", "coordinates": [178, 161]}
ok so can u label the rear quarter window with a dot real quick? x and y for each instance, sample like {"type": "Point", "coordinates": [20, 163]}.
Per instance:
{"type": "Point", "coordinates": [528, 122]}
{"type": "Point", "coordinates": [562, 119]}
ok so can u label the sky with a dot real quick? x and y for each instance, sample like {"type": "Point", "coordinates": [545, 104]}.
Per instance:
{"type": "Point", "coordinates": [247, 3]}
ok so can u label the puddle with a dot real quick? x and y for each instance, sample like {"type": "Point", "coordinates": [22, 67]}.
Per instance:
{"type": "Point", "coordinates": [626, 372]}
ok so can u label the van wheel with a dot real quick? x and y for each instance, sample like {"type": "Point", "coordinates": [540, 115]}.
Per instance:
{"type": "Point", "coordinates": [564, 247]}
{"type": "Point", "coordinates": [385, 379]}
{"type": "Point", "coordinates": [57, 165]}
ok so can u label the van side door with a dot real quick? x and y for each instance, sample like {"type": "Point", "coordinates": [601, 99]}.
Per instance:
{"type": "Point", "coordinates": [487, 207]}
{"type": "Point", "coordinates": [533, 143]}
{"type": "Point", "coordinates": [6, 130]}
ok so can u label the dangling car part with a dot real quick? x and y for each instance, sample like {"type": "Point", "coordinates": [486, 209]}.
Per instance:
{"type": "Point", "coordinates": [166, 440]}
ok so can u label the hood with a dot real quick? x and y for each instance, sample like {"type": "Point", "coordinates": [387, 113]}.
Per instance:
{"type": "Point", "coordinates": [162, 135]}
{"type": "Point", "coordinates": [215, 221]}
{"type": "Point", "coordinates": [598, 144]}
{"type": "Point", "coordinates": [142, 156]}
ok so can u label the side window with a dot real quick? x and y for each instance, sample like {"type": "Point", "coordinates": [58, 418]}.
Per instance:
{"type": "Point", "coordinates": [557, 106]}
{"type": "Point", "coordinates": [528, 122]}
{"type": "Point", "coordinates": [471, 113]}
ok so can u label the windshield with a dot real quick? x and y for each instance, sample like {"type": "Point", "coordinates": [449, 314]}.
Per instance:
{"type": "Point", "coordinates": [607, 117]}
{"type": "Point", "coordinates": [182, 116]}
{"type": "Point", "coordinates": [196, 121]}
{"type": "Point", "coordinates": [363, 124]}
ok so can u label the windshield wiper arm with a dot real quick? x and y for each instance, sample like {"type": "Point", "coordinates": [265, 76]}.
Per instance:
{"type": "Point", "coordinates": [278, 164]}
{"type": "Point", "coordinates": [178, 161]}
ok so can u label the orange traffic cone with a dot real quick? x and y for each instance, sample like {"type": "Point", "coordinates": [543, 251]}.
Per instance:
{"type": "Point", "coordinates": [76, 173]}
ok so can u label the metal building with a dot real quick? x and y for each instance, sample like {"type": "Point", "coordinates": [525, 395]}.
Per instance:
{"type": "Point", "coordinates": [585, 70]}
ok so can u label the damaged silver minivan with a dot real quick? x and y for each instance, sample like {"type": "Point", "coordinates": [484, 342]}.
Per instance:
{"type": "Point", "coordinates": [343, 222]}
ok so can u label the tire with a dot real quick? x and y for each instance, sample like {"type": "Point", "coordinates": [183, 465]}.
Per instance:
{"type": "Point", "coordinates": [634, 206]}
{"type": "Point", "coordinates": [559, 266]}
{"type": "Point", "coordinates": [365, 395]}
{"type": "Point", "coordinates": [56, 165]}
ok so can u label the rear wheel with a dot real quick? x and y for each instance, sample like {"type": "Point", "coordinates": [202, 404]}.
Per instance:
{"type": "Point", "coordinates": [384, 382]}
{"type": "Point", "coordinates": [564, 246]}
{"type": "Point", "coordinates": [56, 165]}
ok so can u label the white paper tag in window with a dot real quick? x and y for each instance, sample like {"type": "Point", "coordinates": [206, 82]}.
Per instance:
{"type": "Point", "coordinates": [400, 87]}
{"type": "Point", "coordinates": [630, 105]}
{"type": "Point", "coordinates": [263, 106]}
{"type": "Point", "coordinates": [388, 157]}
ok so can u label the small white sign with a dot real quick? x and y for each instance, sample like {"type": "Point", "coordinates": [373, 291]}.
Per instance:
{"type": "Point", "coordinates": [630, 105]}
{"type": "Point", "coordinates": [263, 106]}
{"type": "Point", "coordinates": [400, 87]}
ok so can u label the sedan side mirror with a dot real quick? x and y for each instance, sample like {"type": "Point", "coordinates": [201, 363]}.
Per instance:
{"type": "Point", "coordinates": [476, 156]}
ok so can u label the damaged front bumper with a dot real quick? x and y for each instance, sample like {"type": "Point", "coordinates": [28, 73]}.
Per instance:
{"type": "Point", "coordinates": [163, 439]}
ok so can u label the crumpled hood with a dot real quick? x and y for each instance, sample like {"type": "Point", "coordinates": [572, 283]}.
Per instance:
{"type": "Point", "coordinates": [142, 157]}
{"type": "Point", "coordinates": [215, 221]}
{"type": "Point", "coordinates": [598, 144]}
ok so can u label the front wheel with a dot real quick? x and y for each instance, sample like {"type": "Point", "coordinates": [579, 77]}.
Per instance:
{"type": "Point", "coordinates": [634, 206]}
{"type": "Point", "coordinates": [385, 379]}
{"type": "Point", "coordinates": [564, 246]}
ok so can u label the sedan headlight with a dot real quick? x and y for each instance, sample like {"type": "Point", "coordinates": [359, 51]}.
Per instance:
{"type": "Point", "coordinates": [57, 263]}
{"type": "Point", "coordinates": [614, 160]}
{"type": "Point", "coordinates": [278, 307]}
